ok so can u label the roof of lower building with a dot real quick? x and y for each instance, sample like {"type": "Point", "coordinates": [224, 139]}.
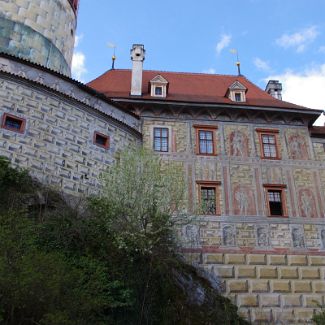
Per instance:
{"type": "Point", "coordinates": [317, 131]}
{"type": "Point", "coordinates": [186, 87]}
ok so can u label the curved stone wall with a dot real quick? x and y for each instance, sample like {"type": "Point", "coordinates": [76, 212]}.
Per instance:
{"type": "Point", "coordinates": [39, 30]}
{"type": "Point", "coordinates": [57, 143]}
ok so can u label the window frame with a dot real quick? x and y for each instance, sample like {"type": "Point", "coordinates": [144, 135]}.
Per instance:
{"type": "Point", "coordinates": [279, 188]}
{"type": "Point", "coordinates": [161, 91]}
{"type": "Point", "coordinates": [22, 127]}
{"type": "Point", "coordinates": [239, 95]}
{"type": "Point", "coordinates": [106, 145]}
{"type": "Point", "coordinates": [205, 128]}
{"type": "Point", "coordinates": [154, 137]}
{"type": "Point", "coordinates": [269, 132]}
{"type": "Point", "coordinates": [163, 88]}
{"type": "Point", "coordinates": [213, 185]}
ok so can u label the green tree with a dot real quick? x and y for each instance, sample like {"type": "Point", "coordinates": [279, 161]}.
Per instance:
{"type": "Point", "coordinates": [140, 206]}
{"type": "Point", "coordinates": [114, 263]}
{"type": "Point", "coordinates": [142, 200]}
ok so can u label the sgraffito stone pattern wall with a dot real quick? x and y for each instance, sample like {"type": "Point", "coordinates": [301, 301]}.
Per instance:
{"type": "Point", "coordinates": [42, 31]}
{"type": "Point", "coordinates": [268, 287]}
{"type": "Point", "coordinates": [57, 145]}
{"type": "Point", "coordinates": [273, 268]}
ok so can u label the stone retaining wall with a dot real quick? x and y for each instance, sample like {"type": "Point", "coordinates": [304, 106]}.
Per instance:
{"type": "Point", "coordinates": [270, 288]}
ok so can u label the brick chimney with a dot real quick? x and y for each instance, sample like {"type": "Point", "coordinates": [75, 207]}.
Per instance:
{"type": "Point", "coordinates": [274, 88]}
{"type": "Point", "coordinates": [137, 56]}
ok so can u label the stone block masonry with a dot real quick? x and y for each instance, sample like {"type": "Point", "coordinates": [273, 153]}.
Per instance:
{"type": "Point", "coordinates": [42, 31]}
{"type": "Point", "coordinates": [270, 289]}
{"type": "Point", "coordinates": [57, 145]}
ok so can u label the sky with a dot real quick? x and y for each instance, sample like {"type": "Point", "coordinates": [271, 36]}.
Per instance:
{"type": "Point", "coordinates": [279, 39]}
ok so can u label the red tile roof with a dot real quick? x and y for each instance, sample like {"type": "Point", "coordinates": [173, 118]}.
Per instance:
{"type": "Point", "coordinates": [186, 87]}
{"type": "Point", "coordinates": [317, 131]}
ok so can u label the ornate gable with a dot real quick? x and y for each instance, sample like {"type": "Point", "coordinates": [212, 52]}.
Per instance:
{"type": "Point", "coordinates": [159, 79]}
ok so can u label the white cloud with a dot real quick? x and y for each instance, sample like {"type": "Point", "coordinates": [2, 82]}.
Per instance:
{"type": "Point", "coordinates": [322, 49]}
{"type": "Point", "coordinates": [298, 40]}
{"type": "Point", "coordinates": [78, 67]}
{"type": "Point", "coordinates": [77, 40]}
{"type": "Point", "coordinates": [304, 88]}
{"type": "Point", "coordinates": [223, 43]}
{"type": "Point", "coordinates": [262, 65]}
{"type": "Point", "coordinates": [320, 121]}
{"type": "Point", "coordinates": [210, 71]}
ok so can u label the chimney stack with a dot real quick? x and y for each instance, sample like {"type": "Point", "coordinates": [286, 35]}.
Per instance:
{"type": "Point", "coordinates": [137, 56]}
{"type": "Point", "coordinates": [274, 88]}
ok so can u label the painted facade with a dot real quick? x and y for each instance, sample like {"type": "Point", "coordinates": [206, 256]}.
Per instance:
{"type": "Point", "coordinates": [270, 260]}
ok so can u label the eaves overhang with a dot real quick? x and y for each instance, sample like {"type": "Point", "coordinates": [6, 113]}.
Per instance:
{"type": "Point", "coordinates": [307, 111]}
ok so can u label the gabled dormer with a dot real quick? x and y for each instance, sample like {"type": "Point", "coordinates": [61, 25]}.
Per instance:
{"type": "Point", "coordinates": [237, 92]}
{"type": "Point", "coordinates": [158, 86]}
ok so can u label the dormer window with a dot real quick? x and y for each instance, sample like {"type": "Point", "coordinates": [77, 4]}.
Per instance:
{"type": "Point", "coordinates": [238, 97]}
{"type": "Point", "coordinates": [237, 92]}
{"type": "Point", "coordinates": [158, 91]}
{"type": "Point", "coordinates": [158, 86]}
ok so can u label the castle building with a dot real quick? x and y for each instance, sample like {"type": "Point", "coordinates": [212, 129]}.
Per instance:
{"type": "Point", "coordinates": [253, 164]}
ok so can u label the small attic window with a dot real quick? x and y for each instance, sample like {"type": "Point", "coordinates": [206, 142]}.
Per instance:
{"type": "Point", "coordinates": [158, 91]}
{"type": "Point", "coordinates": [237, 92]}
{"type": "Point", "coordinates": [158, 86]}
{"type": "Point", "coordinates": [238, 97]}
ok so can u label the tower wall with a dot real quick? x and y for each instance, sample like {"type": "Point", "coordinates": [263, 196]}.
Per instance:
{"type": "Point", "coordinates": [57, 143]}
{"type": "Point", "coordinates": [41, 31]}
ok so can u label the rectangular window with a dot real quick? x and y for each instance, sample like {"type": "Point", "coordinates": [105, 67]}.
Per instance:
{"type": "Point", "coordinates": [13, 123]}
{"type": "Point", "coordinates": [275, 200]}
{"type": "Point", "coordinates": [205, 140]}
{"type": "Point", "coordinates": [160, 141]}
{"type": "Point", "coordinates": [209, 197]}
{"type": "Point", "coordinates": [208, 200]}
{"type": "Point", "coordinates": [101, 140]}
{"type": "Point", "coordinates": [268, 143]}
{"type": "Point", "coordinates": [158, 91]}
{"type": "Point", "coordinates": [238, 97]}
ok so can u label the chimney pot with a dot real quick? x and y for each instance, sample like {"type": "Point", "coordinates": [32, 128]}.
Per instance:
{"type": "Point", "coordinates": [274, 88]}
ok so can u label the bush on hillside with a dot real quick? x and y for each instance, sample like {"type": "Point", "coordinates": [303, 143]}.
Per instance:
{"type": "Point", "coordinates": [112, 263]}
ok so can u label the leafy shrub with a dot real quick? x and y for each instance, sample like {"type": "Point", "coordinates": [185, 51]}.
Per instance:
{"type": "Point", "coordinates": [113, 263]}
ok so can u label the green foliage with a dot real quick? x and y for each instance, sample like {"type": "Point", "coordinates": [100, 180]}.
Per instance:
{"type": "Point", "coordinates": [114, 263]}
{"type": "Point", "coordinates": [13, 183]}
{"type": "Point", "coordinates": [140, 196]}
{"type": "Point", "coordinates": [319, 318]}
{"type": "Point", "coordinates": [37, 282]}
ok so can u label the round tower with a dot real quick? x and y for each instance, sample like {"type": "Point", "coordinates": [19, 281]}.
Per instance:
{"type": "Point", "coordinates": [42, 31]}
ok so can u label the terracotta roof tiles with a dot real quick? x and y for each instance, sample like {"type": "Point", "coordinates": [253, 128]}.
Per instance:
{"type": "Point", "coordinates": [187, 87]}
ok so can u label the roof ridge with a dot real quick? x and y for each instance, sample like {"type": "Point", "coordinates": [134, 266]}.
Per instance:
{"type": "Point", "coordinates": [181, 72]}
